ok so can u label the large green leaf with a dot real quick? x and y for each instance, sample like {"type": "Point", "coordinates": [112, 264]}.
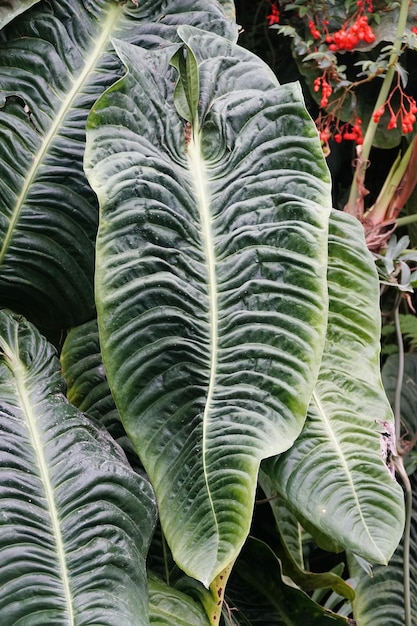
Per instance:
{"type": "Point", "coordinates": [55, 60]}
{"type": "Point", "coordinates": [211, 280]}
{"type": "Point", "coordinates": [76, 520]}
{"type": "Point", "coordinates": [335, 477]}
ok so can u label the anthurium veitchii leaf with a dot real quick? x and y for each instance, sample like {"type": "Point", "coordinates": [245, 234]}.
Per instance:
{"type": "Point", "coordinates": [211, 280]}
{"type": "Point", "coordinates": [55, 60]}
{"type": "Point", "coordinates": [336, 477]}
{"type": "Point", "coordinates": [76, 520]}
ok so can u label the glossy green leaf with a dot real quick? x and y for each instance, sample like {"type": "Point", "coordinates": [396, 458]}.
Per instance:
{"type": "Point", "coordinates": [334, 477]}
{"type": "Point", "coordinates": [83, 370]}
{"type": "Point", "coordinates": [289, 529]}
{"type": "Point", "coordinates": [168, 606]}
{"type": "Point", "coordinates": [211, 281]}
{"type": "Point", "coordinates": [55, 61]}
{"type": "Point", "coordinates": [289, 549]}
{"type": "Point", "coordinates": [10, 9]}
{"type": "Point", "coordinates": [76, 520]}
{"type": "Point", "coordinates": [87, 386]}
{"type": "Point", "coordinates": [380, 597]}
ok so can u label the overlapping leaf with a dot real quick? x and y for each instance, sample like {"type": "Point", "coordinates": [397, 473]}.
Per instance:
{"type": "Point", "coordinates": [380, 596]}
{"type": "Point", "coordinates": [335, 477]}
{"type": "Point", "coordinates": [168, 606]}
{"type": "Point", "coordinates": [87, 386]}
{"type": "Point", "coordinates": [83, 370]}
{"type": "Point", "coordinates": [211, 280]}
{"type": "Point", "coordinates": [55, 61]}
{"type": "Point", "coordinates": [76, 520]}
{"type": "Point", "coordinates": [286, 604]}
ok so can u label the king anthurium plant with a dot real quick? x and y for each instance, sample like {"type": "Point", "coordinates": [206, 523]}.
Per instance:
{"type": "Point", "coordinates": [194, 429]}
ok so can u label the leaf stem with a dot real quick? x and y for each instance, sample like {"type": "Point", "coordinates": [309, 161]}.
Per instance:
{"type": "Point", "coordinates": [363, 158]}
{"type": "Point", "coordinates": [407, 219]}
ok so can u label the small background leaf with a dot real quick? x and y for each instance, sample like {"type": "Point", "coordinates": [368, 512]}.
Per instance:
{"type": "Point", "coordinates": [168, 606]}
{"type": "Point", "coordinates": [83, 370]}
{"type": "Point", "coordinates": [87, 386]}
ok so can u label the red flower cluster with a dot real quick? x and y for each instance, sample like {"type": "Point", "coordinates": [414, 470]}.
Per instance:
{"type": "Point", "coordinates": [368, 4]}
{"type": "Point", "coordinates": [406, 112]}
{"type": "Point", "coordinates": [408, 117]}
{"type": "Point", "coordinates": [329, 126]}
{"type": "Point", "coordinates": [321, 84]}
{"type": "Point", "coordinates": [379, 113]}
{"type": "Point", "coordinates": [348, 38]}
{"type": "Point", "coordinates": [354, 133]}
{"type": "Point", "coordinates": [314, 30]}
{"type": "Point", "coordinates": [273, 17]}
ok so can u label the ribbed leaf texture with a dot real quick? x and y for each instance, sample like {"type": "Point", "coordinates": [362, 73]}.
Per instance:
{"type": "Point", "coordinates": [55, 60]}
{"type": "Point", "coordinates": [76, 520]}
{"type": "Point", "coordinates": [380, 597]}
{"type": "Point", "coordinates": [211, 279]}
{"type": "Point", "coordinates": [83, 371]}
{"type": "Point", "coordinates": [87, 386]}
{"type": "Point", "coordinates": [335, 477]}
{"type": "Point", "coordinates": [168, 606]}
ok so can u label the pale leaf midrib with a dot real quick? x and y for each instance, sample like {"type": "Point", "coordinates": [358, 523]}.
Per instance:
{"type": "Point", "coordinates": [339, 452]}
{"type": "Point", "coordinates": [101, 43]}
{"type": "Point", "coordinates": [199, 177]}
{"type": "Point", "coordinates": [21, 375]}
